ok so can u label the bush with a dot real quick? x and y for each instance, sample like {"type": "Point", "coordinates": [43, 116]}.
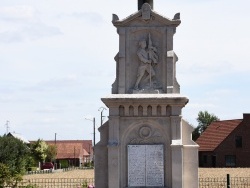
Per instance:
{"type": "Point", "coordinates": [32, 168]}
{"type": "Point", "coordinates": [64, 163]}
{"type": "Point", "coordinates": [85, 184]}
{"type": "Point", "coordinates": [13, 156]}
{"type": "Point", "coordinates": [5, 175]}
{"type": "Point", "coordinates": [88, 164]}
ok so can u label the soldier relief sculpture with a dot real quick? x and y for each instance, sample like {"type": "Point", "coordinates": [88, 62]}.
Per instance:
{"type": "Point", "coordinates": [148, 58]}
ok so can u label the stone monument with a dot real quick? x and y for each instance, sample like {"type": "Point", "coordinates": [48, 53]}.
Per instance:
{"type": "Point", "coordinates": [145, 142]}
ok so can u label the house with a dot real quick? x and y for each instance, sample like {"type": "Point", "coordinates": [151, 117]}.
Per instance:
{"type": "Point", "coordinates": [18, 136]}
{"type": "Point", "coordinates": [226, 144]}
{"type": "Point", "coordinates": [73, 152]}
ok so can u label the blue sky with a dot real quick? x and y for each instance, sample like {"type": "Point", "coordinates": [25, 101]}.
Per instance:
{"type": "Point", "coordinates": [56, 61]}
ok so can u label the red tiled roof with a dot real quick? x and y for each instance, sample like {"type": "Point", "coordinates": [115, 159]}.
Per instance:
{"type": "Point", "coordinates": [72, 148]}
{"type": "Point", "coordinates": [216, 133]}
{"type": "Point", "coordinates": [67, 149]}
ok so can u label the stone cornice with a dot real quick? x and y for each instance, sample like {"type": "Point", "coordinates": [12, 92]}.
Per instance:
{"type": "Point", "coordinates": [163, 99]}
{"type": "Point", "coordinates": [164, 20]}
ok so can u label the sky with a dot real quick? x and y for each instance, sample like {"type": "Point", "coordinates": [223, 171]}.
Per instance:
{"type": "Point", "coordinates": [57, 62]}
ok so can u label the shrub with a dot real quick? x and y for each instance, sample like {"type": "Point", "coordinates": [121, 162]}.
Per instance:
{"type": "Point", "coordinates": [32, 168]}
{"type": "Point", "coordinates": [85, 184]}
{"type": "Point", "coordinates": [64, 163]}
{"type": "Point", "coordinates": [5, 175]}
{"type": "Point", "coordinates": [88, 164]}
{"type": "Point", "coordinates": [13, 156]}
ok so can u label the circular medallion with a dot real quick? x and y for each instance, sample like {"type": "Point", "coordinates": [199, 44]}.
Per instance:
{"type": "Point", "coordinates": [145, 132]}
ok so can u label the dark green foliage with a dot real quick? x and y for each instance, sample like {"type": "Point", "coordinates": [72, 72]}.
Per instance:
{"type": "Point", "coordinates": [5, 175]}
{"type": "Point", "coordinates": [32, 168]}
{"type": "Point", "coordinates": [13, 159]}
{"type": "Point", "coordinates": [64, 163]}
{"type": "Point", "coordinates": [30, 161]}
{"type": "Point", "coordinates": [51, 153]}
{"type": "Point", "coordinates": [85, 184]}
{"type": "Point", "coordinates": [204, 119]}
{"type": "Point", "coordinates": [39, 149]}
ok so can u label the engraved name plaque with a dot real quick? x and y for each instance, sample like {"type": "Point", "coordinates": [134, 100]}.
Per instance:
{"type": "Point", "coordinates": [145, 165]}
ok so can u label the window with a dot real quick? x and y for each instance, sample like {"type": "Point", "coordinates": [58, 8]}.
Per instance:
{"type": "Point", "coordinates": [230, 160]}
{"type": "Point", "coordinates": [238, 141]}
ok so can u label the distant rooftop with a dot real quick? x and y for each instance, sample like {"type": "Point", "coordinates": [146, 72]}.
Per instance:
{"type": "Point", "coordinates": [18, 136]}
{"type": "Point", "coordinates": [216, 132]}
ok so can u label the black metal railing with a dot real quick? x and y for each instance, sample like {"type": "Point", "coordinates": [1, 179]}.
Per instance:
{"type": "Point", "coordinates": [56, 183]}
{"type": "Point", "coordinates": [226, 182]}
{"type": "Point", "coordinates": [208, 182]}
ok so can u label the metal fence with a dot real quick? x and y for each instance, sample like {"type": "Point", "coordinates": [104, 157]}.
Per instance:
{"type": "Point", "coordinates": [240, 182]}
{"type": "Point", "coordinates": [227, 182]}
{"type": "Point", "coordinates": [212, 182]}
{"type": "Point", "coordinates": [57, 182]}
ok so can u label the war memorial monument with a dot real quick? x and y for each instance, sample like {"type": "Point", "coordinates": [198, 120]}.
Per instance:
{"type": "Point", "coordinates": [145, 142]}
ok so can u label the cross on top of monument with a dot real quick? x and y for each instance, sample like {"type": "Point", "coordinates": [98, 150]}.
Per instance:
{"type": "Point", "coordinates": [141, 2]}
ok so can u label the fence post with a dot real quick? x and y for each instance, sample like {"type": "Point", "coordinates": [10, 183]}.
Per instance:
{"type": "Point", "coordinates": [228, 181]}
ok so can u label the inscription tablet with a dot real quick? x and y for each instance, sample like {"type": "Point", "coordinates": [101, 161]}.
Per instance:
{"type": "Point", "coordinates": [145, 165]}
{"type": "Point", "coordinates": [136, 165]}
{"type": "Point", "coordinates": [154, 165]}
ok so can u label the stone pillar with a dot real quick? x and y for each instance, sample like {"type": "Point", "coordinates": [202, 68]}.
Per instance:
{"type": "Point", "coordinates": [177, 147]}
{"type": "Point", "coordinates": [190, 163]}
{"type": "Point", "coordinates": [177, 164]}
{"type": "Point", "coordinates": [122, 49]}
{"type": "Point", "coordinates": [113, 152]}
{"type": "Point", "coordinates": [176, 127]}
{"type": "Point", "coordinates": [113, 166]}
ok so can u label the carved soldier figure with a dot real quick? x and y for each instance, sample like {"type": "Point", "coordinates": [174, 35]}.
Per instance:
{"type": "Point", "coordinates": [146, 57]}
{"type": "Point", "coordinates": [152, 51]}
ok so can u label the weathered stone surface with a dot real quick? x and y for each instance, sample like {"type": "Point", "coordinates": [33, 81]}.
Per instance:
{"type": "Point", "coordinates": [145, 142]}
{"type": "Point", "coordinates": [145, 60]}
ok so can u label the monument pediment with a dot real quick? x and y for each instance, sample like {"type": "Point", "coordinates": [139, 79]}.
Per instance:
{"type": "Point", "coordinates": [148, 16]}
{"type": "Point", "coordinates": [146, 61]}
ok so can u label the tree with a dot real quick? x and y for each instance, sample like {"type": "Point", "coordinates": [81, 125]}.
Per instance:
{"type": "Point", "coordinates": [5, 175]}
{"type": "Point", "coordinates": [51, 153]}
{"type": "Point", "coordinates": [39, 149]}
{"type": "Point", "coordinates": [13, 159]}
{"type": "Point", "coordinates": [204, 120]}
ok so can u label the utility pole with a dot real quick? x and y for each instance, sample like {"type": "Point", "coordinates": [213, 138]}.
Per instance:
{"type": "Point", "coordinates": [7, 126]}
{"type": "Point", "coordinates": [94, 130]}
{"type": "Point", "coordinates": [93, 120]}
{"type": "Point", "coordinates": [101, 109]}
{"type": "Point", "coordinates": [74, 156]}
{"type": "Point", "coordinates": [55, 138]}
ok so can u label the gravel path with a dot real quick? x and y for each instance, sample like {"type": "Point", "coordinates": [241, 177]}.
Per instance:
{"type": "Point", "coordinates": [203, 173]}
{"type": "Point", "coordinates": [222, 172]}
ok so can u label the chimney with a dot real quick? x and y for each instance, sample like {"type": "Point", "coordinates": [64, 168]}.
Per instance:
{"type": "Point", "coordinates": [246, 117]}
{"type": "Point", "coordinates": [141, 2]}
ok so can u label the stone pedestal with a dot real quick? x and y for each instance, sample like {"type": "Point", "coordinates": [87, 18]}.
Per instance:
{"type": "Point", "coordinates": [152, 119]}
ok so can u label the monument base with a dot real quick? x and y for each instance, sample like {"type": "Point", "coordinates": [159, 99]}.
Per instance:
{"type": "Point", "coordinates": [146, 136]}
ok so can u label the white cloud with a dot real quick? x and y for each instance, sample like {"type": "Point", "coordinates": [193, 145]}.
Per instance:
{"type": "Point", "coordinates": [92, 18]}
{"type": "Point", "coordinates": [51, 109]}
{"type": "Point", "coordinates": [29, 32]}
{"type": "Point", "coordinates": [22, 22]}
{"type": "Point", "coordinates": [18, 13]}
